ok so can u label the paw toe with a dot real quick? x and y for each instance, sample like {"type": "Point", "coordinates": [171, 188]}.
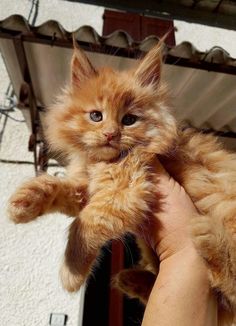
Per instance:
{"type": "Point", "coordinates": [22, 210]}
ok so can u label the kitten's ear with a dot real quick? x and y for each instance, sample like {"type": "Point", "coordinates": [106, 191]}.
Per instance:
{"type": "Point", "coordinates": [81, 67]}
{"type": "Point", "coordinates": [148, 71]}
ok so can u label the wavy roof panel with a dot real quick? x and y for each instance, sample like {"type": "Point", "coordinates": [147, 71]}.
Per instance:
{"type": "Point", "coordinates": [202, 84]}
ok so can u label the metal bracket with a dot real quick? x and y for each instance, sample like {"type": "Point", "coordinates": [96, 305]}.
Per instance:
{"type": "Point", "coordinates": [27, 100]}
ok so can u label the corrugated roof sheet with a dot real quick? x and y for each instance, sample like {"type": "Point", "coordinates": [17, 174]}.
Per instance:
{"type": "Point", "coordinates": [119, 38]}
{"type": "Point", "coordinates": [205, 97]}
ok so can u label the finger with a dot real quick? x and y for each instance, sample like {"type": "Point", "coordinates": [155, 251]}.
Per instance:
{"type": "Point", "coordinates": [164, 182]}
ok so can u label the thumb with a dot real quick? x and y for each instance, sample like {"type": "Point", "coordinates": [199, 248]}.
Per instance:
{"type": "Point", "coordinates": [162, 174]}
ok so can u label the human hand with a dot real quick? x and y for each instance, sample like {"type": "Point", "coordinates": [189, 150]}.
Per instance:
{"type": "Point", "coordinates": [182, 277]}
{"type": "Point", "coordinates": [169, 232]}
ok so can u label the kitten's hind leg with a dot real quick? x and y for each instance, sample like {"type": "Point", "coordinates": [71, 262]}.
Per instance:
{"type": "Point", "coordinates": [214, 245]}
{"type": "Point", "coordinates": [135, 282]}
{"type": "Point", "coordinates": [78, 258]}
{"type": "Point", "coordinates": [87, 234]}
{"type": "Point", "coordinates": [121, 205]}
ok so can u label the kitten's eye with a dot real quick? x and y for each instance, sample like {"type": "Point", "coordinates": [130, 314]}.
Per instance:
{"type": "Point", "coordinates": [129, 119]}
{"type": "Point", "coordinates": [96, 116]}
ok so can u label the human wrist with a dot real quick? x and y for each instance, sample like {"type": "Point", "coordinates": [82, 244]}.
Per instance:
{"type": "Point", "coordinates": [185, 259]}
{"type": "Point", "coordinates": [169, 246]}
{"type": "Point", "coordinates": [174, 299]}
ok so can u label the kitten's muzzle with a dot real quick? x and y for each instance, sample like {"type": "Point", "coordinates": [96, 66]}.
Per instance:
{"type": "Point", "coordinates": [111, 135]}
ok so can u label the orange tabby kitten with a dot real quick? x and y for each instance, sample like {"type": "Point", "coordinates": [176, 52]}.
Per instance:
{"type": "Point", "coordinates": [110, 125]}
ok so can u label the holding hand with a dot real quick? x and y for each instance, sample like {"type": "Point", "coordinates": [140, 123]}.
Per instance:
{"type": "Point", "coordinates": [170, 231]}
{"type": "Point", "coordinates": [181, 295]}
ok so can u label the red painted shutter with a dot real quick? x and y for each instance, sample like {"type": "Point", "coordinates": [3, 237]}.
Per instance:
{"type": "Point", "coordinates": [138, 27]}
{"type": "Point", "coordinates": [158, 27]}
{"type": "Point", "coordinates": [114, 20]}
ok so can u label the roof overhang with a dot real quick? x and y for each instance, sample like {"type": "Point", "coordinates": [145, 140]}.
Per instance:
{"type": "Point", "coordinates": [202, 84]}
{"type": "Point", "coordinates": [216, 13]}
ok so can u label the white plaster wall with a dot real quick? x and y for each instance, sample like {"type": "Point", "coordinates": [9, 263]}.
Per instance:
{"type": "Point", "coordinates": [30, 254]}
{"type": "Point", "coordinates": [70, 14]}
{"type": "Point", "coordinates": [205, 37]}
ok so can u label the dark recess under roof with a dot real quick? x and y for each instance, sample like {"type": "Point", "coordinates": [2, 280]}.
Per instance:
{"type": "Point", "coordinates": [218, 13]}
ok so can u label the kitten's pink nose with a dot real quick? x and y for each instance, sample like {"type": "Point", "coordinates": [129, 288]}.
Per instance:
{"type": "Point", "coordinates": [109, 135]}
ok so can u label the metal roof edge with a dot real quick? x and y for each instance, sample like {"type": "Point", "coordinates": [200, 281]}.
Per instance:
{"type": "Point", "coordinates": [54, 31]}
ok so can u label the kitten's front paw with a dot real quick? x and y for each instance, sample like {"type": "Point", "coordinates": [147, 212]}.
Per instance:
{"type": "Point", "coordinates": [70, 282]}
{"type": "Point", "coordinates": [31, 200]}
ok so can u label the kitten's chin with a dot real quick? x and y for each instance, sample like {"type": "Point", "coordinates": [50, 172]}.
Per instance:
{"type": "Point", "coordinates": [104, 153]}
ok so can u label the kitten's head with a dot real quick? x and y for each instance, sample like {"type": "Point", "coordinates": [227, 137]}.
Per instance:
{"type": "Point", "coordinates": [105, 112]}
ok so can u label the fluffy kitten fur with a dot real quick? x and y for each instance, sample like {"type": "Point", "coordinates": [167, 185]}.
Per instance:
{"type": "Point", "coordinates": [110, 187]}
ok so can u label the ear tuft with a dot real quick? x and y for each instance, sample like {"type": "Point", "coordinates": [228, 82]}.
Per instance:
{"type": "Point", "coordinates": [148, 72]}
{"type": "Point", "coordinates": [81, 67]}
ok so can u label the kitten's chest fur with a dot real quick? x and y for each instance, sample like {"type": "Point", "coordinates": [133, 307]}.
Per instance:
{"type": "Point", "coordinates": [198, 163]}
{"type": "Point", "coordinates": [97, 175]}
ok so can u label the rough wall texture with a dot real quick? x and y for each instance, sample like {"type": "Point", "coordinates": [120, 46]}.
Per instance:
{"type": "Point", "coordinates": [71, 15]}
{"type": "Point", "coordinates": [206, 37]}
{"type": "Point", "coordinates": [30, 254]}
